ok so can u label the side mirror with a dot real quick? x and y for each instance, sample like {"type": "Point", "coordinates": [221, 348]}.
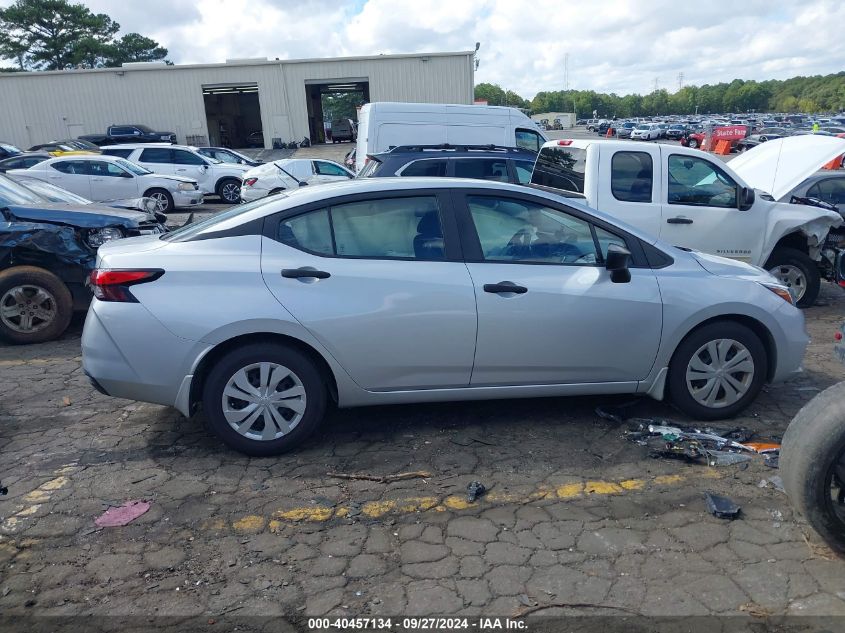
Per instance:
{"type": "Point", "coordinates": [617, 262]}
{"type": "Point", "coordinates": [204, 166]}
{"type": "Point", "coordinates": [746, 198]}
{"type": "Point", "coordinates": [302, 183]}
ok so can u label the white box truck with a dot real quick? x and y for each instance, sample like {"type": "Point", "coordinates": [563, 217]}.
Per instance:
{"type": "Point", "coordinates": [383, 125]}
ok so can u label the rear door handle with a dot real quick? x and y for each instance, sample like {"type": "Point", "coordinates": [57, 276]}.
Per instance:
{"type": "Point", "coordinates": [505, 286]}
{"type": "Point", "coordinates": [679, 221]}
{"type": "Point", "coordinates": [299, 273]}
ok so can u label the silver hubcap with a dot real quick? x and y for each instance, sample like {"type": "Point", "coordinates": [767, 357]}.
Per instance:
{"type": "Point", "coordinates": [231, 192]}
{"type": "Point", "coordinates": [161, 201]}
{"type": "Point", "coordinates": [720, 373]}
{"type": "Point", "coordinates": [793, 278]}
{"type": "Point", "coordinates": [27, 309]}
{"type": "Point", "coordinates": [264, 401]}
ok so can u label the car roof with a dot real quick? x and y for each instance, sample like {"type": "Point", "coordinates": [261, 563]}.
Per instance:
{"type": "Point", "coordinates": [143, 145]}
{"type": "Point", "coordinates": [86, 157]}
{"type": "Point", "coordinates": [412, 152]}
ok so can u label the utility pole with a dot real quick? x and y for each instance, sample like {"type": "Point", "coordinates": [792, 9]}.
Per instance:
{"type": "Point", "coordinates": [656, 83]}
{"type": "Point", "coordinates": [566, 71]}
{"type": "Point", "coordinates": [680, 80]}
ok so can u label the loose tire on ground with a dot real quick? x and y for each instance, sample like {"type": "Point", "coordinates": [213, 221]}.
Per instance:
{"type": "Point", "coordinates": [29, 279]}
{"type": "Point", "coordinates": [220, 382]}
{"type": "Point", "coordinates": [784, 260]}
{"type": "Point", "coordinates": [812, 453]}
{"type": "Point", "coordinates": [679, 387]}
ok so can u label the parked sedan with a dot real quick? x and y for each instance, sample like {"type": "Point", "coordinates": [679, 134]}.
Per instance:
{"type": "Point", "coordinates": [400, 290]}
{"type": "Point", "coordinates": [7, 149]}
{"type": "Point", "coordinates": [23, 161]}
{"type": "Point", "coordinates": [289, 173]}
{"type": "Point", "coordinates": [103, 178]}
{"type": "Point", "coordinates": [645, 132]}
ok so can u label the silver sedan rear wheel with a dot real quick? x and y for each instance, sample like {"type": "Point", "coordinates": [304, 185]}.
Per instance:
{"type": "Point", "coordinates": [264, 401]}
{"type": "Point", "coordinates": [720, 373]}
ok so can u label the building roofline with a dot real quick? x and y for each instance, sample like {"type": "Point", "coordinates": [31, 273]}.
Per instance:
{"type": "Point", "coordinates": [233, 64]}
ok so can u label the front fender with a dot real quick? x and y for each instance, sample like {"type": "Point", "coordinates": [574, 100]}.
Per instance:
{"type": "Point", "coordinates": [812, 223]}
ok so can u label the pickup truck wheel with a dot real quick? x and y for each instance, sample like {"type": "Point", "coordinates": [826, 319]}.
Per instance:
{"type": "Point", "coordinates": [798, 272]}
{"type": "Point", "coordinates": [717, 371]}
{"type": "Point", "coordinates": [812, 464]}
{"type": "Point", "coordinates": [35, 305]}
{"type": "Point", "coordinates": [164, 201]}
{"type": "Point", "coordinates": [230, 190]}
{"type": "Point", "coordinates": [692, 143]}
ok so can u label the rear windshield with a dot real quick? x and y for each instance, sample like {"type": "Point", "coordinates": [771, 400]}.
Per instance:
{"type": "Point", "coordinates": [368, 169]}
{"type": "Point", "coordinates": [561, 168]}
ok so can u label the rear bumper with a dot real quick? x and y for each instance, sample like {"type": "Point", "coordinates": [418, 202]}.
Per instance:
{"type": "Point", "coordinates": [248, 194]}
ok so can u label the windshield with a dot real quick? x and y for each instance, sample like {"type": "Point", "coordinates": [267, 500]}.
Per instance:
{"type": "Point", "coordinates": [133, 167]}
{"type": "Point", "coordinates": [12, 192]}
{"type": "Point", "coordinates": [189, 230]}
{"type": "Point", "coordinates": [10, 148]}
{"type": "Point", "coordinates": [51, 192]}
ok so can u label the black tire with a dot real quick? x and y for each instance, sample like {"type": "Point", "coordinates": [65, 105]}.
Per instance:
{"type": "Point", "coordinates": [692, 143]}
{"type": "Point", "coordinates": [225, 368]}
{"type": "Point", "coordinates": [224, 190]}
{"type": "Point", "coordinates": [792, 257]}
{"type": "Point", "coordinates": [812, 453]}
{"type": "Point", "coordinates": [679, 392]}
{"type": "Point", "coordinates": [163, 197]}
{"type": "Point", "coordinates": [61, 302]}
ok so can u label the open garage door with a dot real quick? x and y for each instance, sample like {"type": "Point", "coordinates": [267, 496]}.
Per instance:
{"type": "Point", "coordinates": [332, 101]}
{"type": "Point", "coordinates": [233, 114]}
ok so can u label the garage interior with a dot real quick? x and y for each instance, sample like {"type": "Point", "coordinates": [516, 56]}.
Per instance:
{"type": "Point", "coordinates": [334, 99]}
{"type": "Point", "coordinates": [233, 113]}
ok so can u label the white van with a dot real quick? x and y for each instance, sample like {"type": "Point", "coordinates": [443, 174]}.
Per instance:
{"type": "Point", "coordinates": [385, 125]}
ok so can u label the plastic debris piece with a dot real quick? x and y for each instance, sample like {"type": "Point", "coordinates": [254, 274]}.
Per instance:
{"type": "Point", "coordinates": [772, 460]}
{"type": "Point", "coordinates": [122, 515]}
{"type": "Point", "coordinates": [475, 489]}
{"type": "Point", "coordinates": [725, 458]}
{"type": "Point", "coordinates": [660, 429]}
{"type": "Point", "coordinates": [721, 507]}
{"type": "Point", "coordinates": [777, 482]}
{"type": "Point", "coordinates": [762, 447]}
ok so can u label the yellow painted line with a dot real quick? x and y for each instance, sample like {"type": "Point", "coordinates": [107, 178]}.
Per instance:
{"type": "Point", "coordinates": [36, 498]}
{"type": "Point", "coordinates": [409, 505]}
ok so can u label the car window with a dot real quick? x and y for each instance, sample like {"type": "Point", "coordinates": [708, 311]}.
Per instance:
{"type": "Point", "coordinates": [327, 169]}
{"type": "Point", "coordinates": [481, 169]}
{"type": "Point", "coordinates": [156, 155]}
{"type": "Point", "coordinates": [514, 230]}
{"type": "Point", "coordinates": [400, 228]}
{"type": "Point", "coordinates": [698, 182]}
{"type": "Point", "coordinates": [606, 238]}
{"type": "Point", "coordinates": [631, 176]}
{"type": "Point", "coordinates": [561, 167]}
{"type": "Point", "coordinates": [830, 190]}
{"type": "Point", "coordinates": [523, 171]}
{"type": "Point", "coordinates": [122, 131]}
{"type": "Point", "coordinates": [73, 167]}
{"type": "Point", "coordinates": [184, 157]}
{"type": "Point", "coordinates": [528, 139]}
{"type": "Point", "coordinates": [103, 169]}
{"type": "Point", "coordinates": [426, 167]}
{"type": "Point", "coordinates": [123, 153]}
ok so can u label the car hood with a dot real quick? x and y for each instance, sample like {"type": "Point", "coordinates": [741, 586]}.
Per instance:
{"type": "Point", "coordinates": [725, 267]}
{"type": "Point", "coordinates": [780, 165]}
{"type": "Point", "coordinates": [81, 216]}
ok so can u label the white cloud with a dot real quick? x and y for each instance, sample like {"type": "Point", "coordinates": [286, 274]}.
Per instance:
{"type": "Point", "coordinates": [616, 46]}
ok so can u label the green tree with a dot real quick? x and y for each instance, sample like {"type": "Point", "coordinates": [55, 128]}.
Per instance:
{"type": "Point", "coordinates": [56, 35]}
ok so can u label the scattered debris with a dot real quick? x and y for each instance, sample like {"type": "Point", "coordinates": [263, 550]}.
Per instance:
{"type": "Point", "coordinates": [755, 610]}
{"type": "Point", "coordinates": [66, 401]}
{"type": "Point", "coordinates": [520, 613]}
{"type": "Point", "coordinates": [819, 550]}
{"type": "Point", "coordinates": [772, 460]}
{"type": "Point", "coordinates": [777, 482]}
{"type": "Point", "coordinates": [763, 447]}
{"type": "Point", "coordinates": [383, 479]}
{"type": "Point", "coordinates": [475, 489]}
{"type": "Point", "coordinates": [726, 458]}
{"type": "Point", "coordinates": [721, 507]}
{"type": "Point", "coordinates": [3, 490]}
{"type": "Point", "coordinates": [122, 515]}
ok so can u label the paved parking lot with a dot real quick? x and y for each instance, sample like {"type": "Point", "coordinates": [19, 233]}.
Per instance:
{"type": "Point", "coordinates": [573, 513]}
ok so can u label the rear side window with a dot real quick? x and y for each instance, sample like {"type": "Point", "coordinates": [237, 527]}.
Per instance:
{"type": "Point", "coordinates": [561, 167]}
{"type": "Point", "coordinates": [426, 167]}
{"type": "Point", "coordinates": [74, 167]}
{"type": "Point", "coordinates": [528, 139]}
{"type": "Point", "coordinates": [309, 232]}
{"type": "Point", "coordinates": [156, 155]}
{"type": "Point", "coordinates": [183, 157]}
{"type": "Point", "coordinates": [481, 169]}
{"type": "Point", "coordinates": [327, 169]}
{"type": "Point", "coordinates": [631, 176]}
{"type": "Point", "coordinates": [122, 153]}
{"type": "Point", "coordinates": [523, 171]}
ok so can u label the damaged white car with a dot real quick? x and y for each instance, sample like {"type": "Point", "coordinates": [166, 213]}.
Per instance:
{"type": "Point", "coordinates": [694, 200]}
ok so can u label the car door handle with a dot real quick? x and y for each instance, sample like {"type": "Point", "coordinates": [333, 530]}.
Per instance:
{"type": "Point", "coordinates": [505, 286]}
{"type": "Point", "coordinates": [679, 221]}
{"type": "Point", "coordinates": [299, 273]}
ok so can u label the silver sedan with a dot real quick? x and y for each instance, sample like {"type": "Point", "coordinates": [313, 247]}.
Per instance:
{"type": "Point", "coordinates": [409, 290]}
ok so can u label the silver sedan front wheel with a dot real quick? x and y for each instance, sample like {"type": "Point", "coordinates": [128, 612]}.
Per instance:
{"type": "Point", "coordinates": [720, 373]}
{"type": "Point", "coordinates": [264, 401]}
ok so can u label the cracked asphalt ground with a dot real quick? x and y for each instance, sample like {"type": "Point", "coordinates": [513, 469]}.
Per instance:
{"type": "Point", "coordinates": [574, 512]}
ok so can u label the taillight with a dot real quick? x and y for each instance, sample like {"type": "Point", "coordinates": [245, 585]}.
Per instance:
{"type": "Point", "coordinates": [113, 285]}
{"type": "Point", "coordinates": [250, 181]}
{"type": "Point", "coordinates": [565, 142]}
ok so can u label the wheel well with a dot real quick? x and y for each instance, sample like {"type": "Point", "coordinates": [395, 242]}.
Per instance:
{"type": "Point", "coordinates": [224, 179]}
{"type": "Point", "coordinates": [156, 189]}
{"type": "Point", "coordinates": [201, 372]}
{"type": "Point", "coordinates": [793, 240]}
{"type": "Point", "coordinates": [755, 326]}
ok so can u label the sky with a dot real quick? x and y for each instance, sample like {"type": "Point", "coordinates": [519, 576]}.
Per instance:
{"type": "Point", "coordinates": [613, 46]}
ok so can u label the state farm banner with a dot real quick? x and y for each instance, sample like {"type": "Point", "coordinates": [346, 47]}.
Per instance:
{"type": "Point", "coordinates": [729, 133]}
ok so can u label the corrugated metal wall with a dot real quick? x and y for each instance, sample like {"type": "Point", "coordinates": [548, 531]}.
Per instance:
{"type": "Point", "coordinates": [39, 107]}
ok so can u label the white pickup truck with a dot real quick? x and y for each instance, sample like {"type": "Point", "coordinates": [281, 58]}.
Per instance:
{"type": "Point", "coordinates": [691, 199]}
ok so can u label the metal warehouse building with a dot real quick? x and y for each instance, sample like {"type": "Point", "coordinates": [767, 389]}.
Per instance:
{"type": "Point", "coordinates": [220, 103]}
